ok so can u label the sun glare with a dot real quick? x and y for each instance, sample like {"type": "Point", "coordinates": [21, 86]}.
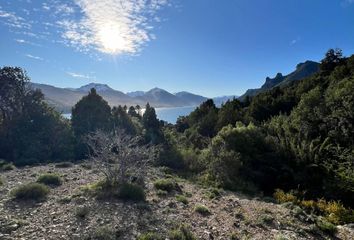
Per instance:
{"type": "Point", "coordinates": [111, 39]}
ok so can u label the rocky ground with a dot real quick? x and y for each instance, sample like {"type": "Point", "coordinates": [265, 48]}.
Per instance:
{"type": "Point", "coordinates": [231, 214]}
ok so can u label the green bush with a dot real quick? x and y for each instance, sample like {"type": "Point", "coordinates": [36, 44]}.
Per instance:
{"type": "Point", "coordinates": [50, 179]}
{"type": "Point", "coordinates": [131, 192]}
{"type": "Point", "coordinates": [181, 233]}
{"type": "Point", "coordinates": [165, 185]}
{"type": "Point", "coordinates": [150, 236]}
{"type": "Point", "coordinates": [7, 166]}
{"type": "Point", "coordinates": [326, 226]}
{"type": "Point", "coordinates": [104, 233]}
{"type": "Point", "coordinates": [182, 199]}
{"type": "Point", "coordinates": [1, 182]}
{"type": "Point", "coordinates": [213, 193]}
{"type": "Point", "coordinates": [201, 209]}
{"type": "Point", "coordinates": [31, 191]}
{"type": "Point", "coordinates": [64, 165]}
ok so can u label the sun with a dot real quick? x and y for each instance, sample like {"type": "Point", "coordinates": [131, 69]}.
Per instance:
{"type": "Point", "coordinates": [111, 38]}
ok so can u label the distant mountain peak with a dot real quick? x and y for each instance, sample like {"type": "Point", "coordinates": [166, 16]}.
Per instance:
{"type": "Point", "coordinates": [136, 93]}
{"type": "Point", "coordinates": [98, 86]}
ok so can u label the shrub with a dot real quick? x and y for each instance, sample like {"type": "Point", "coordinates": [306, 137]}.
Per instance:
{"type": "Point", "coordinates": [82, 212]}
{"type": "Point", "coordinates": [182, 199]}
{"type": "Point", "coordinates": [1, 182]}
{"type": "Point", "coordinates": [7, 167]}
{"type": "Point", "coordinates": [201, 209]}
{"type": "Point", "coordinates": [165, 185]}
{"type": "Point", "coordinates": [150, 236]}
{"type": "Point", "coordinates": [31, 191]}
{"type": "Point", "coordinates": [182, 232]}
{"type": "Point", "coordinates": [161, 193]}
{"type": "Point", "coordinates": [213, 193]}
{"type": "Point", "coordinates": [265, 219]}
{"type": "Point", "coordinates": [104, 233]}
{"type": "Point", "coordinates": [50, 179]}
{"type": "Point", "coordinates": [326, 226]}
{"type": "Point", "coordinates": [131, 192]}
{"type": "Point", "coordinates": [64, 165]}
{"type": "Point", "coordinates": [283, 197]}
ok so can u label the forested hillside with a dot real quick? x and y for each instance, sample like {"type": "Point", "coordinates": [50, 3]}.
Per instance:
{"type": "Point", "coordinates": [297, 138]}
{"type": "Point", "coordinates": [291, 144]}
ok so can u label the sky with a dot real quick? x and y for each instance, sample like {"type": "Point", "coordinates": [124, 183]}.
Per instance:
{"type": "Point", "coordinates": [208, 47]}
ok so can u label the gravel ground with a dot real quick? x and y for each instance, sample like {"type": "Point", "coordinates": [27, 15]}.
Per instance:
{"type": "Point", "coordinates": [230, 214]}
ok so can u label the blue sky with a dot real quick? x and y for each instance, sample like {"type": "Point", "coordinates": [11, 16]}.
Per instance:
{"type": "Point", "coordinates": [208, 47]}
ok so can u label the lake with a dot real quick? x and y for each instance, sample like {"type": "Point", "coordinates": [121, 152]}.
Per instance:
{"type": "Point", "coordinates": [169, 115]}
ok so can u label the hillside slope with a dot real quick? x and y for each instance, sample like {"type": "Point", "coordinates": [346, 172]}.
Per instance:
{"type": "Point", "coordinates": [231, 214]}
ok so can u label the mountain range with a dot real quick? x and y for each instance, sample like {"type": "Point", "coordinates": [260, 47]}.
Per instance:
{"type": "Point", "coordinates": [63, 99]}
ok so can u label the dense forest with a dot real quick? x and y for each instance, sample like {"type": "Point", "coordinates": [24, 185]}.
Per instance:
{"type": "Point", "coordinates": [294, 142]}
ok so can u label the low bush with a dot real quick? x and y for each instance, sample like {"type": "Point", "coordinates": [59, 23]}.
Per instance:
{"type": "Point", "coordinates": [161, 193]}
{"type": "Point", "coordinates": [201, 209]}
{"type": "Point", "coordinates": [133, 192]}
{"type": "Point", "coordinates": [126, 191]}
{"type": "Point", "coordinates": [5, 166]}
{"type": "Point", "coordinates": [326, 226]}
{"type": "Point", "coordinates": [64, 165]}
{"type": "Point", "coordinates": [50, 179]}
{"type": "Point", "coordinates": [213, 193]}
{"type": "Point", "coordinates": [265, 219]}
{"type": "Point", "coordinates": [1, 182]}
{"type": "Point", "coordinates": [282, 197]}
{"type": "Point", "coordinates": [165, 184]}
{"type": "Point", "coordinates": [182, 232]}
{"type": "Point", "coordinates": [31, 191]}
{"type": "Point", "coordinates": [182, 199]}
{"type": "Point", "coordinates": [150, 236]}
{"type": "Point", "coordinates": [104, 233]}
{"type": "Point", "coordinates": [333, 211]}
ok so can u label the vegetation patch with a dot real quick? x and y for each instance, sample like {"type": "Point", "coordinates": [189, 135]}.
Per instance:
{"type": "Point", "coordinates": [333, 211]}
{"type": "Point", "coordinates": [132, 192]}
{"type": "Point", "coordinates": [265, 219]}
{"type": "Point", "coordinates": [50, 179]}
{"type": "Point", "coordinates": [31, 191]}
{"type": "Point", "coordinates": [1, 182]}
{"type": "Point", "coordinates": [213, 193]}
{"type": "Point", "coordinates": [161, 193]}
{"type": "Point", "coordinates": [165, 184]}
{"type": "Point", "coordinates": [182, 232]}
{"type": "Point", "coordinates": [201, 209]}
{"type": "Point", "coordinates": [104, 233]}
{"type": "Point", "coordinates": [126, 191]}
{"type": "Point", "coordinates": [150, 236]}
{"type": "Point", "coordinates": [5, 166]}
{"type": "Point", "coordinates": [326, 226]}
{"type": "Point", "coordinates": [182, 199]}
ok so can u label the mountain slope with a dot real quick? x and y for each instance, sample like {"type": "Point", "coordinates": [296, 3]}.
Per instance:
{"type": "Point", "coordinates": [191, 98]}
{"type": "Point", "coordinates": [63, 99]}
{"type": "Point", "coordinates": [157, 96]}
{"type": "Point", "coordinates": [302, 70]}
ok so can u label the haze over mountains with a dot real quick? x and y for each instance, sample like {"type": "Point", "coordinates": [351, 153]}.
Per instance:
{"type": "Point", "coordinates": [63, 99]}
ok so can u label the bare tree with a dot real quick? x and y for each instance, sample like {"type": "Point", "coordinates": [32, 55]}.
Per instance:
{"type": "Point", "coordinates": [119, 156]}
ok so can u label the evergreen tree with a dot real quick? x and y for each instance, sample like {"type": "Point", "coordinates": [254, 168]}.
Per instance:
{"type": "Point", "coordinates": [91, 113]}
{"type": "Point", "coordinates": [151, 125]}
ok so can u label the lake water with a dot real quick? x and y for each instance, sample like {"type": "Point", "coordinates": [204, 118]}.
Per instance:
{"type": "Point", "coordinates": [169, 115]}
